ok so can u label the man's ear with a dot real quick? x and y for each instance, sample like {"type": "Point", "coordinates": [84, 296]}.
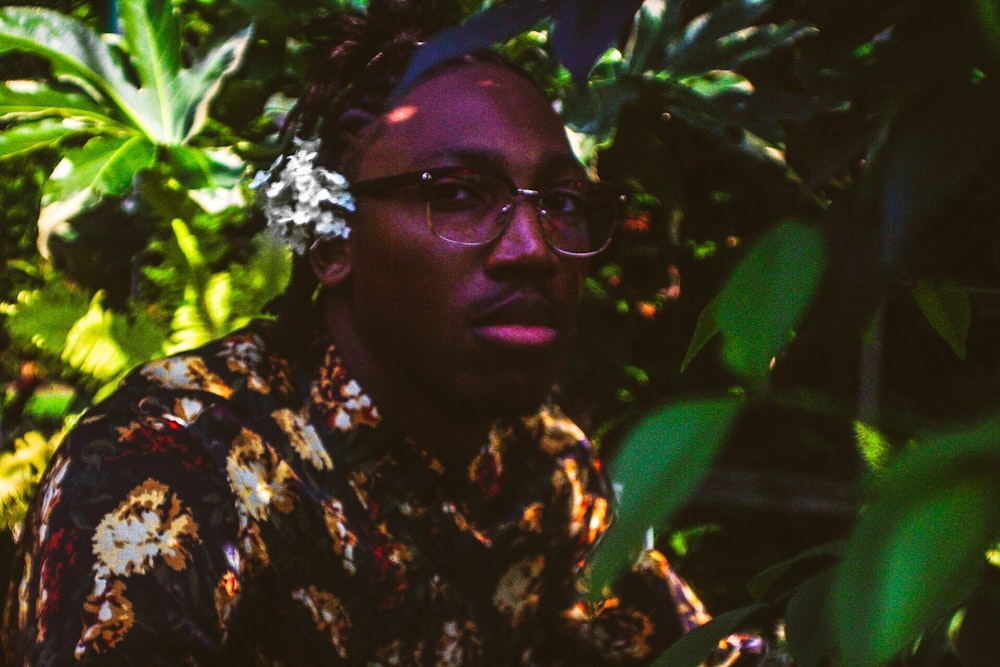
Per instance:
{"type": "Point", "coordinates": [330, 258]}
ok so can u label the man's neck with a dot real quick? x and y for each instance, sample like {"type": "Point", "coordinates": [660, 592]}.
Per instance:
{"type": "Point", "coordinates": [448, 428]}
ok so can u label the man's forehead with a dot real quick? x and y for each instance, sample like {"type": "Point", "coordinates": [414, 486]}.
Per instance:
{"type": "Point", "coordinates": [479, 114]}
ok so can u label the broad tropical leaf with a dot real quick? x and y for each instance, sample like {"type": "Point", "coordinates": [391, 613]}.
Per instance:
{"type": "Point", "coordinates": [29, 137]}
{"type": "Point", "coordinates": [767, 295]}
{"type": "Point", "coordinates": [919, 549]}
{"type": "Point", "coordinates": [174, 100]}
{"type": "Point", "coordinates": [661, 462]}
{"type": "Point", "coordinates": [74, 50]}
{"type": "Point", "coordinates": [105, 165]}
{"type": "Point", "coordinates": [31, 99]}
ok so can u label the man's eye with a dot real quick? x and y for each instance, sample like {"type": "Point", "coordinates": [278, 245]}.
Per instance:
{"type": "Point", "coordinates": [458, 194]}
{"type": "Point", "coordinates": [563, 201]}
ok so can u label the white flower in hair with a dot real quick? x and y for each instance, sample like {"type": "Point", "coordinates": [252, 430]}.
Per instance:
{"type": "Point", "coordinates": [304, 202]}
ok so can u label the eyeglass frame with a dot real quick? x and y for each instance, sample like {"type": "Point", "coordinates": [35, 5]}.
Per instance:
{"type": "Point", "coordinates": [425, 177]}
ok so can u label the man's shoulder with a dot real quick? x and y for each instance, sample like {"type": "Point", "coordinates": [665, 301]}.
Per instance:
{"type": "Point", "coordinates": [162, 400]}
{"type": "Point", "coordinates": [220, 367]}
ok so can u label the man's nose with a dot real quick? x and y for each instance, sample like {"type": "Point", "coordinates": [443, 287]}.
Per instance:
{"type": "Point", "coordinates": [522, 245]}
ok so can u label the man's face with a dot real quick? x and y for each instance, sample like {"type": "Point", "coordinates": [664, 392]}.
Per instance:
{"type": "Point", "coordinates": [486, 327]}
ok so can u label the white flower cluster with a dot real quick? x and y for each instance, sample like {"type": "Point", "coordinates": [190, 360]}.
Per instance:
{"type": "Point", "coordinates": [304, 202]}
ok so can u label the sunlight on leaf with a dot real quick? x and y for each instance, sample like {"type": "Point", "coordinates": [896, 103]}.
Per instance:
{"type": "Point", "coordinates": [91, 347]}
{"type": "Point", "coordinates": [20, 471]}
{"type": "Point", "coordinates": [873, 445]}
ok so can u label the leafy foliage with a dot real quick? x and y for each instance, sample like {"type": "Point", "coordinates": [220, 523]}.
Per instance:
{"type": "Point", "coordinates": [809, 270]}
{"type": "Point", "coordinates": [20, 471]}
{"type": "Point", "coordinates": [123, 125]}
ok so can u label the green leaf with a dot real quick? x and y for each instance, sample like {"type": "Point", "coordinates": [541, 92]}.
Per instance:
{"type": "Point", "coordinates": [873, 445]}
{"type": "Point", "coordinates": [90, 346]}
{"type": "Point", "coordinates": [201, 83]}
{"type": "Point", "coordinates": [919, 549]}
{"type": "Point", "coordinates": [660, 464]}
{"type": "Point", "coordinates": [744, 44]}
{"type": "Point", "coordinates": [766, 297]}
{"type": "Point", "coordinates": [218, 298]}
{"type": "Point", "coordinates": [950, 130]}
{"type": "Point", "coordinates": [20, 472]}
{"type": "Point", "coordinates": [763, 585]}
{"type": "Point", "coordinates": [264, 277]}
{"type": "Point", "coordinates": [704, 330]}
{"type": "Point", "coordinates": [200, 168]}
{"type": "Point", "coordinates": [948, 309]}
{"type": "Point", "coordinates": [174, 100]}
{"type": "Point", "coordinates": [29, 137]}
{"type": "Point", "coordinates": [685, 50]}
{"type": "Point", "coordinates": [808, 622]}
{"type": "Point", "coordinates": [71, 47]}
{"type": "Point", "coordinates": [153, 38]}
{"type": "Point", "coordinates": [692, 649]}
{"type": "Point", "coordinates": [32, 99]}
{"type": "Point", "coordinates": [718, 82]}
{"type": "Point", "coordinates": [104, 165]}
{"type": "Point", "coordinates": [43, 318]}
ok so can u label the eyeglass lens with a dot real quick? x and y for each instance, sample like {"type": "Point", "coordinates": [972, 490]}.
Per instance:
{"type": "Point", "coordinates": [473, 208]}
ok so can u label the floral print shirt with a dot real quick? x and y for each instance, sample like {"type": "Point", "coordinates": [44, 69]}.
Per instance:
{"type": "Point", "coordinates": [224, 507]}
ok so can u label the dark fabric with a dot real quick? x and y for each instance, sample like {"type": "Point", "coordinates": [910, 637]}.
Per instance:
{"type": "Point", "coordinates": [225, 508]}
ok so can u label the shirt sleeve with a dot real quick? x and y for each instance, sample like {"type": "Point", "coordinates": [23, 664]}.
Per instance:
{"type": "Point", "coordinates": [127, 559]}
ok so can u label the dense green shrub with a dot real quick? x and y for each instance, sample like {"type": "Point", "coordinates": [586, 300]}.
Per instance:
{"type": "Point", "coordinates": [809, 275]}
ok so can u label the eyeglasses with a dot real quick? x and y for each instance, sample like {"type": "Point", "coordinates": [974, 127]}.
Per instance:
{"type": "Point", "coordinates": [469, 207]}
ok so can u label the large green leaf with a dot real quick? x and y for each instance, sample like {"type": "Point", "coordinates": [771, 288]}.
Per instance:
{"type": "Point", "coordinates": [928, 153]}
{"type": "Point", "coordinates": [31, 99]}
{"type": "Point", "coordinates": [584, 29]}
{"type": "Point", "coordinates": [197, 168]}
{"type": "Point", "coordinates": [740, 47]}
{"type": "Point", "coordinates": [919, 549]}
{"type": "Point", "coordinates": [43, 318]}
{"type": "Point", "coordinates": [29, 137]}
{"type": "Point", "coordinates": [104, 166]}
{"type": "Point", "coordinates": [98, 343]}
{"type": "Point", "coordinates": [660, 464]}
{"type": "Point", "coordinates": [767, 295]}
{"type": "Point", "coordinates": [90, 346]}
{"type": "Point", "coordinates": [174, 100]}
{"type": "Point", "coordinates": [72, 48]}
{"type": "Point", "coordinates": [808, 622]}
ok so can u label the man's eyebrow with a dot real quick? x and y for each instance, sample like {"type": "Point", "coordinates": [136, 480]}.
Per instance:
{"type": "Point", "coordinates": [551, 165]}
{"type": "Point", "coordinates": [463, 156]}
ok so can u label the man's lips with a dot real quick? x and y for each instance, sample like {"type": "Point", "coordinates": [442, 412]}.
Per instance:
{"type": "Point", "coordinates": [523, 320]}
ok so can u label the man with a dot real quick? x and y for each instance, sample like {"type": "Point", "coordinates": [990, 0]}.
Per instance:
{"type": "Point", "coordinates": [401, 492]}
